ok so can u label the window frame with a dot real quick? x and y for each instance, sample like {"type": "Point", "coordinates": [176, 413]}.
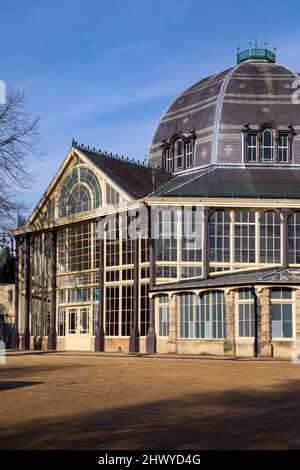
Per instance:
{"type": "Point", "coordinates": [162, 305]}
{"type": "Point", "coordinates": [168, 160]}
{"type": "Point", "coordinates": [281, 148]}
{"type": "Point", "coordinates": [244, 232]}
{"type": "Point", "coordinates": [293, 236]}
{"type": "Point", "coordinates": [199, 307]}
{"type": "Point", "coordinates": [251, 135]}
{"type": "Point", "coordinates": [268, 239]}
{"type": "Point", "coordinates": [189, 159]}
{"type": "Point", "coordinates": [178, 156]}
{"type": "Point", "coordinates": [264, 147]}
{"type": "Point", "coordinates": [282, 301]}
{"type": "Point", "coordinates": [242, 300]}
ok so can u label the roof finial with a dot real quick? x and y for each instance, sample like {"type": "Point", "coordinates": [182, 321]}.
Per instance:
{"type": "Point", "coordinates": [73, 142]}
{"type": "Point", "coordinates": [238, 47]}
{"type": "Point", "coordinates": [250, 42]}
{"type": "Point", "coordinates": [266, 41]}
{"type": "Point", "coordinates": [255, 40]}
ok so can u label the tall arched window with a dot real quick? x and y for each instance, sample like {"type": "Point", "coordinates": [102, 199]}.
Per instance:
{"type": "Point", "coordinates": [178, 154]}
{"type": "Point", "coordinates": [219, 236]}
{"type": "Point", "coordinates": [294, 238]}
{"type": "Point", "coordinates": [270, 237]}
{"type": "Point", "coordinates": [80, 192]}
{"type": "Point", "coordinates": [267, 146]}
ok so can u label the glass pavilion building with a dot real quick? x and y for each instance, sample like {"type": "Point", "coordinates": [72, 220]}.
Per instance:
{"type": "Point", "coordinates": [224, 161]}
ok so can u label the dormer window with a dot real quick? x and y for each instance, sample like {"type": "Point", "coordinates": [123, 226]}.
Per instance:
{"type": "Point", "coordinates": [178, 154]}
{"type": "Point", "coordinates": [251, 148]}
{"type": "Point", "coordinates": [267, 145]}
{"type": "Point", "coordinates": [188, 154]}
{"type": "Point", "coordinates": [283, 148]}
{"type": "Point", "coordinates": [168, 160]}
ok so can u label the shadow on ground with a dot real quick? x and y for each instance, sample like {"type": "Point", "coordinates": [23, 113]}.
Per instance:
{"type": "Point", "coordinates": [17, 371]}
{"type": "Point", "coordinates": [13, 385]}
{"type": "Point", "coordinates": [228, 420]}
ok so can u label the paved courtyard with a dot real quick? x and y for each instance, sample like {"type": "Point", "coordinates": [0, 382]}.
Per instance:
{"type": "Point", "coordinates": [90, 401]}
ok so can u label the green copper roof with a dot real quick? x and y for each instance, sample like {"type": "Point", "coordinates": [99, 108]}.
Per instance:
{"type": "Point", "coordinates": [255, 54]}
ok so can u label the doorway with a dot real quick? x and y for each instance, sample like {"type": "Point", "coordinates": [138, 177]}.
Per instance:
{"type": "Point", "coordinates": [78, 329]}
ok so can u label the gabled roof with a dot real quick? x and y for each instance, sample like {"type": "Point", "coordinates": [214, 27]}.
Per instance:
{"type": "Point", "coordinates": [257, 276]}
{"type": "Point", "coordinates": [228, 181]}
{"type": "Point", "coordinates": [133, 177]}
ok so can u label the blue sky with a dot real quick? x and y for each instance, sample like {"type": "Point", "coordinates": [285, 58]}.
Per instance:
{"type": "Point", "coordinates": [103, 71]}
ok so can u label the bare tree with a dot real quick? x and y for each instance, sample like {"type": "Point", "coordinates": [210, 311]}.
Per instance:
{"type": "Point", "coordinates": [19, 137]}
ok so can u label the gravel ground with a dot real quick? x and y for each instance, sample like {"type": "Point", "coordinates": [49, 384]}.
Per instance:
{"type": "Point", "coordinates": [94, 401]}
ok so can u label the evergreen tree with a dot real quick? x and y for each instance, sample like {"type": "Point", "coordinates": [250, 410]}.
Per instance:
{"type": "Point", "coordinates": [7, 267]}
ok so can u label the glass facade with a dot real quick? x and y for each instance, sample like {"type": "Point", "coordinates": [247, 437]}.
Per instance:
{"type": "Point", "coordinates": [41, 283]}
{"type": "Point", "coordinates": [241, 238]}
{"type": "Point", "coordinates": [219, 236]}
{"type": "Point", "coordinates": [238, 239]}
{"type": "Point", "coordinates": [178, 246]}
{"type": "Point", "coordinates": [202, 316]}
{"type": "Point", "coordinates": [244, 236]}
{"type": "Point", "coordinates": [270, 237]}
{"type": "Point", "coordinates": [294, 238]}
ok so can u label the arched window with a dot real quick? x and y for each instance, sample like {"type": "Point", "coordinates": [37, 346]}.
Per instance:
{"type": "Point", "coordinates": [294, 238]}
{"type": "Point", "coordinates": [178, 154]}
{"type": "Point", "coordinates": [79, 200]}
{"type": "Point", "coordinates": [269, 237]}
{"type": "Point", "coordinates": [80, 192]}
{"type": "Point", "coordinates": [202, 316]}
{"type": "Point", "coordinates": [267, 146]}
{"type": "Point", "coordinates": [219, 236]}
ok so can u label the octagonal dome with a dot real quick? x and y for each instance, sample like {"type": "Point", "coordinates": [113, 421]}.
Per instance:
{"type": "Point", "coordinates": [216, 109]}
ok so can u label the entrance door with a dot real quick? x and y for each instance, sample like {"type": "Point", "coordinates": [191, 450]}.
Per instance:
{"type": "Point", "coordinates": [78, 329]}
